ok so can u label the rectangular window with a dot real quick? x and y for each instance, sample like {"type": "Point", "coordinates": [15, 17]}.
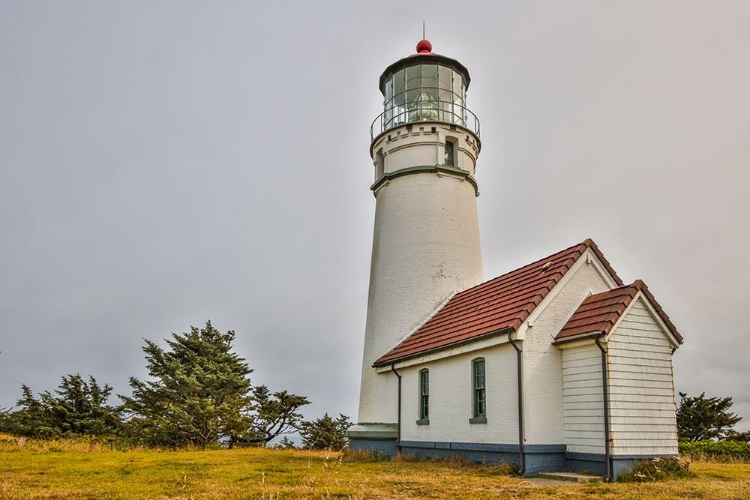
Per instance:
{"type": "Point", "coordinates": [379, 165]}
{"type": "Point", "coordinates": [450, 155]}
{"type": "Point", "coordinates": [399, 98]}
{"type": "Point", "coordinates": [424, 397]}
{"type": "Point", "coordinates": [479, 392]}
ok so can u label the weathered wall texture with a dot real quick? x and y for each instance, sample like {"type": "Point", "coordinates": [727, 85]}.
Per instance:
{"type": "Point", "coordinates": [583, 399]}
{"type": "Point", "coordinates": [641, 386]}
{"type": "Point", "coordinates": [451, 399]}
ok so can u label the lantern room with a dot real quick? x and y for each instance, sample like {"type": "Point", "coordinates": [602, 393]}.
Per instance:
{"type": "Point", "coordinates": [424, 87]}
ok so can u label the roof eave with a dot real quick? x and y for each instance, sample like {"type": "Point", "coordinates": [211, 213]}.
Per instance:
{"type": "Point", "coordinates": [580, 336]}
{"type": "Point", "coordinates": [386, 362]}
{"type": "Point", "coordinates": [430, 58]}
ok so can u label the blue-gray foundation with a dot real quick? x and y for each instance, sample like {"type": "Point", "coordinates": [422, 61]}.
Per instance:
{"type": "Point", "coordinates": [537, 457]}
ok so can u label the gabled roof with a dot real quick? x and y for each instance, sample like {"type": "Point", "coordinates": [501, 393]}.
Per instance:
{"type": "Point", "coordinates": [493, 307]}
{"type": "Point", "coordinates": [600, 312]}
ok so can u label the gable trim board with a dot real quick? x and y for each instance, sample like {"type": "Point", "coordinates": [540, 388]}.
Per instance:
{"type": "Point", "coordinates": [602, 313]}
{"type": "Point", "coordinates": [589, 258]}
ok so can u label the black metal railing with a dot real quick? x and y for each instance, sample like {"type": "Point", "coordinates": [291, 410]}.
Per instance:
{"type": "Point", "coordinates": [425, 111]}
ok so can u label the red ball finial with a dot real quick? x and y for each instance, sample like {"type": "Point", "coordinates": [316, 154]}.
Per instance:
{"type": "Point", "coordinates": [424, 47]}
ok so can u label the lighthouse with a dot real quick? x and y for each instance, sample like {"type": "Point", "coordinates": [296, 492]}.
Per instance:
{"type": "Point", "coordinates": [426, 246]}
{"type": "Point", "coordinates": [547, 366]}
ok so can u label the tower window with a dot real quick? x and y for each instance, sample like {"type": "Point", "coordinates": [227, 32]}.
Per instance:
{"type": "Point", "coordinates": [424, 397]}
{"type": "Point", "coordinates": [379, 165]}
{"type": "Point", "coordinates": [450, 153]}
{"type": "Point", "coordinates": [479, 392]}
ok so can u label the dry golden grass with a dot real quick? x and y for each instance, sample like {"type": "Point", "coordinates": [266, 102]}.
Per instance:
{"type": "Point", "coordinates": [79, 470]}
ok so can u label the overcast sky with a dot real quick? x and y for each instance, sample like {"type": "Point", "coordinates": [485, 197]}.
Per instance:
{"type": "Point", "coordinates": [165, 163]}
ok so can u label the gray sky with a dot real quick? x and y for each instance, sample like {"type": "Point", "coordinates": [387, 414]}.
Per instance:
{"type": "Point", "coordinates": [164, 163]}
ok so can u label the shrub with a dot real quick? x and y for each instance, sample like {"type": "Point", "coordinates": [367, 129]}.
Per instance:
{"type": "Point", "coordinates": [716, 450]}
{"type": "Point", "coordinates": [325, 433]}
{"type": "Point", "coordinates": [285, 444]}
{"type": "Point", "coordinates": [657, 469]}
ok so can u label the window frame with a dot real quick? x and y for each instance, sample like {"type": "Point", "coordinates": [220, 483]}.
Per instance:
{"type": "Point", "coordinates": [405, 89]}
{"type": "Point", "coordinates": [379, 164]}
{"type": "Point", "coordinates": [478, 392]}
{"type": "Point", "coordinates": [450, 144]}
{"type": "Point", "coordinates": [423, 379]}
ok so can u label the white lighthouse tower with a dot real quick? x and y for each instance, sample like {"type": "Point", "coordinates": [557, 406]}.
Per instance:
{"type": "Point", "coordinates": [426, 240]}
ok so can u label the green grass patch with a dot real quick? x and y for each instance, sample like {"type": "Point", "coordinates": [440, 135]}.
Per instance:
{"type": "Point", "coordinates": [84, 471]}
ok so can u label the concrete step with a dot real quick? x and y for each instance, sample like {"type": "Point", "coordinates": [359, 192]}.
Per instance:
{"type": "Point", "coordinates": [572, 477]}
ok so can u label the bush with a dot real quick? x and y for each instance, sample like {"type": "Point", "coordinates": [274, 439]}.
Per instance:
{"type": "Point", "coordinates": [285, 444]}
{"type": "Point", "coordinates": [657, 469]}
{"type": "Point", "coordinates": [716, 450]}
{"type": "Point", "coordinates": [325, 433]}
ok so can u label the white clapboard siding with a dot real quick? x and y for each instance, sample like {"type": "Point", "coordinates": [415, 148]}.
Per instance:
{"type": "Point", "coordinates": [622, 375]}
{"type": "Point", "coordinates": [641, 389]}
{"type": "Point", "coordinates": [582, 399]}
{"type": "Point", "coordinates": [586, 382]}
{"type": "Point", "coordinates": [666, 408]}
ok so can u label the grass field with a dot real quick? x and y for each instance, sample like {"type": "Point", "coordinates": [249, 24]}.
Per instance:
{"type": "Point", "coordinates": [75, 470]}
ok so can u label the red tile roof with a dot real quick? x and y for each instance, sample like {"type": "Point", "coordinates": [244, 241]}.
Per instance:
{"type": "Point", "coordinates": [599, 313]}
{"type": "Point", "coordinates": [494, 307]}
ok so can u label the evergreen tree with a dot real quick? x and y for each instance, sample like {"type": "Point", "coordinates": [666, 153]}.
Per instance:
{"type": "Point", "coordinates": [5, 420]}
{"type": "Point", "coordinates": [325, 433]}
{"type": "Point", "coordinates": [705, 419]}
{"type": "Point", "coordinates": [199, 392]}
{"type": "Point", "coordinates": [33, 418]}
{"type": "Point", "coordinates": [78, 408]}
{"type": "Point", "coordinates": [81, 409]}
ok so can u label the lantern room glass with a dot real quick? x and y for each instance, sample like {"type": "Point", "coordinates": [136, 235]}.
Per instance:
{"type": "Point", "coordinates": [424, 92]}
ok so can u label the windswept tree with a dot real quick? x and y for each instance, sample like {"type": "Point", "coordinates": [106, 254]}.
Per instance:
{"type": "Point", "coordinates": [77, 408]}
{"type": "Point", "coordinates": [705, 419]}
{"type": "Point", "coordinates": [198, 394]}
{"type": "Point", "coordinates": [272, 415]}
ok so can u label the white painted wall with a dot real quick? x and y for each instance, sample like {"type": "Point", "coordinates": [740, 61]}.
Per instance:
{"type": "Point", "coordinates": [543, 365]}
{"type": "Point", "coordinates": [402, 148]}
{"type": "Point", "coordinates": [451, 399]}
{"type": "Point", "coordinates": [583, 397]}
{"type": "Point", "coordinates": [641, 386]}
{"type": "Point", "coordinates": [425, 246]}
